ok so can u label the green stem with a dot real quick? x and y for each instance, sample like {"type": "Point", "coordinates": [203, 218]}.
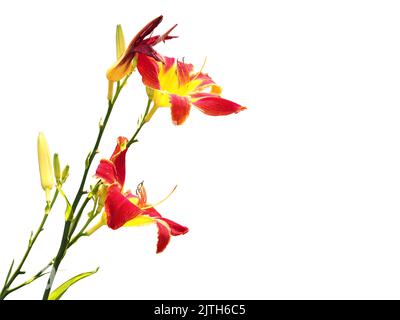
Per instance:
{"type": "Point", "coordinates": [10, 278]}
{"type": "Point", "coordinates": [57, 260]}
{"type": "Point", "coordinates": [66, 233]}
{"type": "Point", "coordinates": [18, 271]}
{"type": "Point", "coordinates": [42, 271]}
{"type": "Point", "coordinates": [93, 214]}
{"type": "Point", "coordinates": [142, 123]}
{"type": "Point", "coordinates": [35, 277]}
{"type": "Point", "coordinates": [78, 216]}
{"type": "Point", "coordinates": [81, 233]}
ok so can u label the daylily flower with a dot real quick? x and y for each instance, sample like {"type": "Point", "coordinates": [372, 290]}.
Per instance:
{"type": "Point", "coordinates": [126, 209]}
{"type": "Point", "coordinates": [174, 84]}
{"type": "Point", "coordinates": [139, 44]}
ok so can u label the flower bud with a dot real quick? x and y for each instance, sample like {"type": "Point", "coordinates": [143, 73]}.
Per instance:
{"type": "Point", "coordinates": [56, 165]}
{"type": "Point", "coordinates": [45, 167]}
{"type": "Point", "coordinates": [65, 174]}
{"type": "Point", "coordinates": [120, 41]}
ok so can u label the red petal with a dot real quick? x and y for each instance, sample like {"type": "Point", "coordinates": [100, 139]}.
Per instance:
{"type": "Point", "coordinates": [148, 50]}
{"type": "Point", "coordinates": [199, 95]}
{"type": "Point", "coordinates": [163, 237]}
{"type": "Point", "coordinates": [156, 39]}
{"type": "Point", "coordinates": [216, 106]}
{"type": "Point", "coordinates": [119, 209]}
{"type": "Point", "coordinates": [204, 78]}
{"type": "Point", "coordinates": [168, 63]}
{"type": "Point", "coordinates": [146, 30]}
{"type": "Point", "coordinates": [106, 171]}
{"type": "Point", "coordinates": [184, 72]}
{"type": "Point", "coordinates": [149, 70]}
{"type": "Point", "coordinates": [176, 229]}
{"type": "Point", "coordinates": [121, 146]}
{"type": "Point", "coordinates": [180, 107]}
{"type": "Point", "coordinates": [118, 158]}
{"type": "Point", "coordinates": [152, 212]}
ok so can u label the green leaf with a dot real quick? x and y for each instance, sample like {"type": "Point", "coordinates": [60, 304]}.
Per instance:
{"type": "Point", "coordinates": [68, 209]}
{"type": "Point", "coordinates": [57, 293]}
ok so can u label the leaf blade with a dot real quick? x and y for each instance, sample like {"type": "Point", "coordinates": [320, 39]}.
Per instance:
{"type": "Point", "coordinates": [58, 293]}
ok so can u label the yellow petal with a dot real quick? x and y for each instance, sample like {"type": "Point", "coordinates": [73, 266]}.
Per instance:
{"type": "Point", "coordinates": [216, 89]}
{"type": "Point", "coordinates": [161, 99]}
{"type": "Point", "coordinates": [119, 69]}
{"type": "Point", "coordinates": [139, 221]}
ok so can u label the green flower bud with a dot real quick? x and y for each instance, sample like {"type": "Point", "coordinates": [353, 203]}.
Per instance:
{"type": "Point", "coordinates": [56, 165]}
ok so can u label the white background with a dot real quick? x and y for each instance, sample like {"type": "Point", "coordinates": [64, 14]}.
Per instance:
{"type": "Point", "coordinates": [297, 197]}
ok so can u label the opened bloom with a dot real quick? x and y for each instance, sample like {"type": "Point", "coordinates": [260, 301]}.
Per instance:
{"type": "Point", "coordinates": [141, 44]}
{"type": "Point", "coordinates": [128, 209]}
{"type": "Point", "coordinates": [174, 84]}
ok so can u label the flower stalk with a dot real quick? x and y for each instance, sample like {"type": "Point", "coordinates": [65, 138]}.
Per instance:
{"type": "Point", "coordinates": [67, 225]}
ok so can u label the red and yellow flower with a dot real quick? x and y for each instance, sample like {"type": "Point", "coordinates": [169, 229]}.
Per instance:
{"type": "Point", "coordinates": [140, 44]}
{"type": "Point", "coordinates": [128, 209]}
{"type": "Point", "coordinates": [174, 84]}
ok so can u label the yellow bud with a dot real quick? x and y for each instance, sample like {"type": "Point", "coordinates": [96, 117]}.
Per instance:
{"type": "Point", "coordinates": [120, 41]}
{"type": "Point", "coordinates": [45, 167]}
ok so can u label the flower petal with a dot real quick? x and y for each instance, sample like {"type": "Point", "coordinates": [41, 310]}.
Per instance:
{"type": "Point", "coordinates": [106, 171]}
{"type": "Point", "coordinates": [148, 68]}
{"type": "Point", "coordinates": [122, 67]}
{"type": "Point", "coordinates": [148, 50]}
{"type": "Point", "coordinates": [140, 220]}
{"type": "Point", "coordinates": [213, 105]}
{"type": "Point", "coordinates": [146, 30]}
{"type": "Point", "coordinates": [184, 71]}
{"type": "Point", "coordinates": [119, 209]}
{"type": "Point", "coordinates": [156, 39]}
{"type": "Point", "coordinates": [168, 63]}
{"type": "Point", "coordinates": [176, 229]}
{"type": "Point", "coordinates": [163, 237]}
{"type": "Point", "coordinates": [216, 89]}
{"type": "Point", "coordinates": [204, 80]}
{"type": "Point", "coordinates": [118, 158]}
{"type": "Point", "coordinates": [180, 107]}
{"type": "Point", "coordinates": [152, 212]}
